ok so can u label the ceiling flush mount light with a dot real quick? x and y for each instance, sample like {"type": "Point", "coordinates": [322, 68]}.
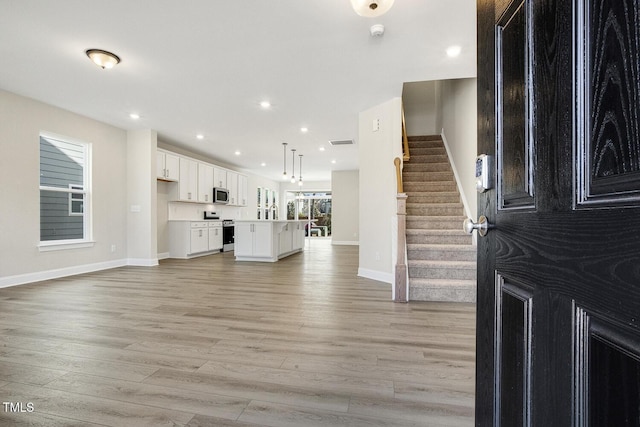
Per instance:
{"type": "Point", "coordinates": [102, 58]}
{"type": "Point", "coordinates": [453, 51]}
{"type": "Point", "coordinates": [371, 8]}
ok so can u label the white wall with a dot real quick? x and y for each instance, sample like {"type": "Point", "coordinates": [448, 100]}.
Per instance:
{"type": "Point", "coordinates": [420, 108]}
{"type": "Point", "coordinates": [20, 260]}
{"type": "Point", "coordinates": [141, 197]}
{"type": "Point", "coordinates": [459, 130]}
{"type": "Point", "coordinates": [378, 188]}
{"type": "Point", "coordinates": [345, 210]}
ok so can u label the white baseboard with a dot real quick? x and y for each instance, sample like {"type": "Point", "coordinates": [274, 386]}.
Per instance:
{"type": "Point", "coordinates": [346, 242]}
{"type": "Point", "coordinates": [142, 262]}
{"type": "Point", "coordinates": [376, 275]}
{"type": "Point", "coordinates": [21, 279]}
{"type": "Point", "coordinates": [163, 255]}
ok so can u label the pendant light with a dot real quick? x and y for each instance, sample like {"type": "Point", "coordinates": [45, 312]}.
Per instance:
{"type": "Point", "coordinates": [293, 165]}
{"type": "Point", "coordinates": [371, 8]}
{"type": "Point", "coordinates": [300, 180]}
{"type": "Point", "coordinates": [284, 160]}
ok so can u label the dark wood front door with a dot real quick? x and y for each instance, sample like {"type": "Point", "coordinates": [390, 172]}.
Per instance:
{"type": "Point", "coordinates": [558, 341]}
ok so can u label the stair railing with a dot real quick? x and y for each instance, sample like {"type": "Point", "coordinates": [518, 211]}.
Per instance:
{"type": "Point", "coordinates": [400, 291]}
{"type": "Point", "coordinates": [405, 140]}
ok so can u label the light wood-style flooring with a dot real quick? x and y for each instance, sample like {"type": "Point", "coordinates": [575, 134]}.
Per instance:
{"type": "Point", "coordinates": [213, 342]}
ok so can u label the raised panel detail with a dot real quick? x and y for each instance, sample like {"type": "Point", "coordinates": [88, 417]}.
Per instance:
{"type": "Point", "coordinates": [513, 354]}
{"type": "Point", "coordinates": [515, 151]}
{"type": "Point", "coordinates": [608, 69]}
{"type": "Point", "coordinates": [607, 373]}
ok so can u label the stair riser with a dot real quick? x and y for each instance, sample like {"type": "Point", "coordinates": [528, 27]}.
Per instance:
{"type": "Point", "coordinates": [434, 223]}
{"type": "Point", "coordinates": [434, 272]}
{"type": "Point", "coordinates": [427, 151]}
{"type": "Point", "coordinates": [425, 167]}
{"type": "Point", "coordinates": [461, 239]}
{"type": "Point", "coordinates": [435, 210]}
{"type": "Point", "coordinates": [435, 198]}
{"type": "Point", "coordinates": [429, 159]}
{"type": "Point", "coordinates": [442, 293]}
{"type": "Point", "coordinates": [430, 186]}
{"type": "Point", "coordinates": [441, 255]}
{"type": "Point", "coordinates": [427, 176]}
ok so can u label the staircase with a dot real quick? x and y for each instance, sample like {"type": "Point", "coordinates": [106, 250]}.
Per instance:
{"type": "Point", "coordinates": [440, 257]}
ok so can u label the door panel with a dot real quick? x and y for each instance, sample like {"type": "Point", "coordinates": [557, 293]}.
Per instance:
{"type": "Point", "coordinates": [515, 153]}
{"type": "Point", "coordinates": [608, 38]}
{"type": "Point", "coordinates": [558, 341]}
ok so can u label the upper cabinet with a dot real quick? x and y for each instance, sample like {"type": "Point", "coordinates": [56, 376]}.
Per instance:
{"type": "Point", "coordinates": [196, 180]}
{"type": "Point", "coordinates": [188, 184]}
{"type": "Point", "coordinates": [242, 190]}
{"type": "Point", "coordinates": [168, 166]}
{"type": "Point", "coordinates": [219, 178]}
{"type": "Point", "coordinates": [205, 183]}
{"type": "Point", "coordinates": [232, 185]}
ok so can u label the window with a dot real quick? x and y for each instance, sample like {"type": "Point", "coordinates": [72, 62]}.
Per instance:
{"type": "Point", "coordinates": [64, 191]}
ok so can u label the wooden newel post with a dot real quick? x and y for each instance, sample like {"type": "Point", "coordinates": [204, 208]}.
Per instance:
{"type": "Point", "coordinates": [401, 291]}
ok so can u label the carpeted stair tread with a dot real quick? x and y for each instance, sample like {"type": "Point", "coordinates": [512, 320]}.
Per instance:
{"type": "Point", "coordinates": [441, 257]}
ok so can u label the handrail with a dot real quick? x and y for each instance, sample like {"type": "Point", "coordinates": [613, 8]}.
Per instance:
{"type": "Point", "coordinates": [399, 184]}
{"type": "Point", "coordinates": [405, 140]}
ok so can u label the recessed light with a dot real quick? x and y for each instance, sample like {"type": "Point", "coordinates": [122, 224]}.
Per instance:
{"type": "Point", "coordinates": [321, 148]}
{"type": "Point", "coordinates": [265, 104]}
{"type": "Point", "coordinates": [304, 130]}
{"type": "Point", "coordinates": [134, 116]}
{"type": "Point", "coordinates": [238, 152]}
{"type": "Point", "coordinates": [453, 51]}
{"type": "Point", "coordinates": [200, 136]}
{"type": "Point", "coordinates": [333, 162]}
{"type": "Point", "coordinates": [263, 164]}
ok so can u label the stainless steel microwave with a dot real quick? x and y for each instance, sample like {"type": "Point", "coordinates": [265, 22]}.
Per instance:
{"type": "Point", "coordinates": [220, 195]}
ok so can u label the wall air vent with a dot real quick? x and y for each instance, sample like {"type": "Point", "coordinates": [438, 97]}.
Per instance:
{"type": "Point", "coordinates": [341, 142]}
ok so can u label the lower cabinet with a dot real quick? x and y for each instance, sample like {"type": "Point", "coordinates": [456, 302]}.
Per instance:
{"type": "Point", "coordinates": [253, 239]}
{"type": "Point", "coordinates": [188, 239]}
{"type": "Point", "coordinates": [215, 237]}
{"type": "Point", "coordinates": [267, 241]}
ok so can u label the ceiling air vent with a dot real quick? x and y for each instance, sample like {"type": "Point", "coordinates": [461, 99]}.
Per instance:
{"type": "Point", "coordinates": [341, 142]}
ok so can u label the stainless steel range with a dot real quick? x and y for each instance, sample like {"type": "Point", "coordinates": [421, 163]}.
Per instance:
{"type": "Point", "coordinates": [228, 235]}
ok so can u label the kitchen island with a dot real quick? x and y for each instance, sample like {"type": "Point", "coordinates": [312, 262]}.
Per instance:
{"type": "Point", "coordinates": [267, 240]}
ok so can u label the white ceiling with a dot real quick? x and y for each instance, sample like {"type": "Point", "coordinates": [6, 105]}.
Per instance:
{"type": "Point", "coordinates": [203, 66]}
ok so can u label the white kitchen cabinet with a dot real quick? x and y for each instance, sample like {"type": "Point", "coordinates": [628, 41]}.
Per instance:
{"type": "Point", "coordinates": [188, 184]}
{"type": "Point", "coordinates": [219, 177]}
{"type": "Point", "coordinates": [199, 239]}
{"type": "Point", "coordinates": [253, 239]}
{"type": "Point", "coordinates": [243, 195]}
{"type": "Point", "coordinates": [286, 239]}
{"type": "Point", "coordinates": [297, 236]}
{"type": "Point", "coordinates": [205, 183]}
{"type": "Point", "coordinates": [267, 241]}
{"type": "Point", "coordinates": [215, 236]}
{"type": "Point", "coordinates": [232, 186]}
{"type": "Point", "coordinates": [188, 239]}
{"type": "Point", "coordinates": [168, 166]}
